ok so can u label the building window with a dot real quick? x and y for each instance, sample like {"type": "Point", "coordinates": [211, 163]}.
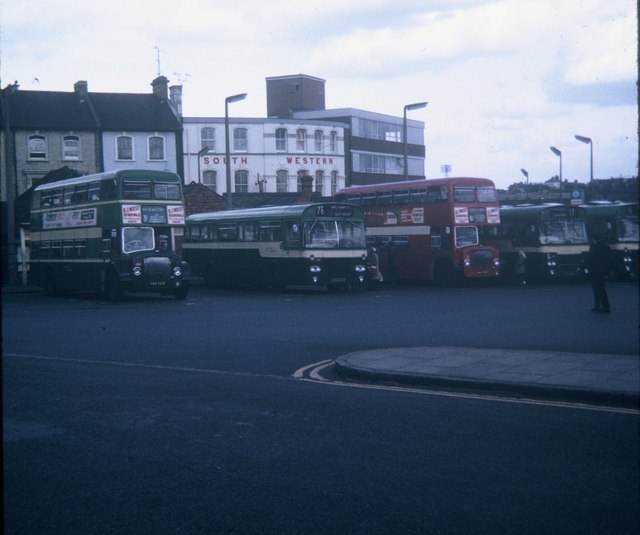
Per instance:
{"type": "Point", "coordinates": [70, 148]}
{"type": "Point", "coordinates": [208, 138]}
{"type": "Point", "coordinates": [210, 179]}
{"type": "Point", "coordinates": [37, 147]}
{"type": "Point", "coordinates": [301, 140]}
{"type": "Point", "coordinates": [281, 140]}
{"type": "Point", "coordinates": [294, 88]}
{"type": "Point", "coordinates": [333, 142]}
{"type": "Point", "coordinates": [318, 140]}
{"type": "Point", "coordinates": [242, 181]}
{"type": "Point", "coordinates": [282, 181]}
{"type": "Point", "coordinates": [334, 182]}
{"type": "Point", "coordinates": [301, 173]}
{"type": "Point", "coordinates": [240, 140]}
{"type": "Point", "coordinates": [124, 148]}
{"type": "Point", "coordinates": [381, 164]}
{"type": "Point", "coordinates": [319, 181]}
{"type": "Point", "coordinates": [156, 148]}
{"type": "Point", "coordinates": [379, 130]}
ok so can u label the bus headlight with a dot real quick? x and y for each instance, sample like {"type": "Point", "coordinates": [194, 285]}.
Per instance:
{"type": "Point", "coordinates": [496, 262]}
{"type": "Point", "coordinates": [551, 260]}
{"type": "Point", "coordinates": [360, 268]}
{"type": "Point", "coordinates": [467, 262]}
{"type": "Point", "coordinates": [177, 271]}
{"type": "Point", "coordinates": [137, 271]}
{"type": "Point", "coordinates": [315, 268]}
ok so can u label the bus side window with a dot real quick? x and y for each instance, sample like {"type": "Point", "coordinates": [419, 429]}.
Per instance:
{"type": "Point", "coordinates": [385, 198]}
{"type": "Point", "coordinates": [227, 232]}
{"type": "Point", "coordinates": [247, 231]}
{"type": "Point", "coordinates": [369, 199]}
{"type": "Point", "coordinates": [292, 231]}
{"type": "Point", "coordinates": [437, 194]}
{"type": "Point", "coordinates": [94, 191]}
{"type": "Point", "coordinates": [418, 196]}
{"type": "Point", "coordinates": [401, 196]}
{"type": "Point", "coordinates": [194, 233]}
{"type": "Point", "coordinates": [68, 195]}
{"type": "Point", "coordinates": [81, 194]}
{"type": "Point", "coordinates": [56, 197]}
{"type": "Point", "coordinates": [108, 189]}
{"type": "Point", "coordinates": [270, 231]}
{"type": "Point", "coordinates": [56, 249]}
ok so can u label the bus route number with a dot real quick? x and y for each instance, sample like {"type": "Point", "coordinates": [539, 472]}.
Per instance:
{"type": "Point", "coordinates": [334, 210]}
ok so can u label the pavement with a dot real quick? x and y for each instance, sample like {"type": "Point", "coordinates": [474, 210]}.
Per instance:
{"type": "Point", "coordinates": [612, 380]}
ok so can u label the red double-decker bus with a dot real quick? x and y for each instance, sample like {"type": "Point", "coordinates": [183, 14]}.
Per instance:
{"type": "Point", "coordinates": [429, 230]}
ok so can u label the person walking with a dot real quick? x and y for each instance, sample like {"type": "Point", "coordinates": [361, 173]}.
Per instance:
{"type": "Point", "coordinates": [521, 268]}
{"type": "Point", "coordinates": [375, 275]}
{"type": "Point", "coordinates": [599, 263]}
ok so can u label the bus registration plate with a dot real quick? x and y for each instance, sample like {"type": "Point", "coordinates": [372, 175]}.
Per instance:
{"type": "Point", "coordinates": [158, 283]}
{"type": "Point", "coordinates": [338, 279]}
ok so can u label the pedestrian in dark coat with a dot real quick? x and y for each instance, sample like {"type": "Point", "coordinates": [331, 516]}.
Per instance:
{"type": "Point", "coordinates": [600, 265]}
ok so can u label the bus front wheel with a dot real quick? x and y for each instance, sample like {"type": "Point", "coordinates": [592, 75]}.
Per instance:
{"type": "Point", "coordinates": [210, 278]}
{"type": "Point", "coordinates": [182, 292]}
{"type": "Point", "coordinates": [275, 281]}
{"type": "Point", "coordinates": [50, 284]}
{"type": "Point", "coordinates": [444, 274]}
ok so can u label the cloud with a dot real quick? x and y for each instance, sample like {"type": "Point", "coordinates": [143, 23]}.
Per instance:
{"type": "Point", "coordinates": [504, 78]}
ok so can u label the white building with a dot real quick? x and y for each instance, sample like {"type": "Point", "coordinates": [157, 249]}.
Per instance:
{"type": "Point", "coordinates": [266, 155]}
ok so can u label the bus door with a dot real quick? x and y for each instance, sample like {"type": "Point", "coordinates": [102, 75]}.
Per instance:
{"type": "Point", "coordinates": [445, 260]}
{"type": "Point", "coordinates": [110, 243]}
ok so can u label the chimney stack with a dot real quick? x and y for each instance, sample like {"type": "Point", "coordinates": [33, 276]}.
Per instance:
{"type": "Point", "coordinates": [175, 96]}
{"type": "Point", "coordinates": [81, 88]}
{"type": "Point", "coordinates": [161, 88]}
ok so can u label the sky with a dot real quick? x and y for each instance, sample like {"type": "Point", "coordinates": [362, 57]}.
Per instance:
{"type": "Point", "coordinates": [505, 79]}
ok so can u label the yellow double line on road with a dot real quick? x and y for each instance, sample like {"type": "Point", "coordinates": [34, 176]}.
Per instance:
{"type": "Point", "coordinates": [312, 373]}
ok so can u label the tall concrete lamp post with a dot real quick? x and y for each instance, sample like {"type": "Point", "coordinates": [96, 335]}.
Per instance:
{"type": "Point", "coordinates": [232, 98]}
{"type": "Point", "coordinates": [584, 139]}
{"type": "Point", "coordinates": [415, 106]}
{"type": "Point", "coordinates": [559, 154]}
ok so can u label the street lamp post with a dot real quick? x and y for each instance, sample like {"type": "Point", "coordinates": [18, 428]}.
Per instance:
{"type": "Point", "coordinates": [584, 139]}
{"type": "Point", "coordinates": [525, 173]}
{"type": "Point", "coordinates": [415, 106]}
{"type": "Point", "coordinates": [232, 98]}
{"type": "Point", "coordinates": [559, 154]}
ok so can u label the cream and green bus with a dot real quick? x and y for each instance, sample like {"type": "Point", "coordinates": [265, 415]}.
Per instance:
{"type": "Point", "coordinates": [310, 245]}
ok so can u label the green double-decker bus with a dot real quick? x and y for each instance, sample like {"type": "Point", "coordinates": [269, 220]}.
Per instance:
{"type": "Point", "coordinates": [311, 245]}
{"type": "Point", "coordinates": [111, 232]}
{"type": "Point", "coordinates": [617, 224]}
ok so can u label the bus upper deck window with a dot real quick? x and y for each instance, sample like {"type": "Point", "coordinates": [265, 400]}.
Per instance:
{"type": "Point", "coordinates": [437, 194]}
{"type": "Point", "coordinates": [166, 190]}
{"type": "Point", "coordinates": [368, 199]}
{"type": "Point", "coordinates": [487, 194]}
{"type": "Point", "coordinates": [108, 189]}
{"type": "Point", "coordinates": [464, 193]}
{"type": "Point", "coordinates": [401, 197]}
{"type": "Point", "coordinates": [136, 189]}
{"type": "Point", "coordinates": [418, 196]}
{"type": "Point", "coordinates": [94, 191]}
